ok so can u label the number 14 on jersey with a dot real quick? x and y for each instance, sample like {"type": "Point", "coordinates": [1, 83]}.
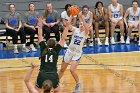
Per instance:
{"type": "Point", "coordinates": [50, 59]}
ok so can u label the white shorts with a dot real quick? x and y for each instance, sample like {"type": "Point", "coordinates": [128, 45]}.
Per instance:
{"type": "Point", "coordinates": [69, 56]}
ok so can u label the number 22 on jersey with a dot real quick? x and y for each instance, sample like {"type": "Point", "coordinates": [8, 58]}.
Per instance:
{"type": "Point", "coordinates": [50, 59]}
{"type": "Point", "coordinates": [77, 42]}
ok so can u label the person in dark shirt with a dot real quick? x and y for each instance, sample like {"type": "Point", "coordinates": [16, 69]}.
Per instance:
{"type": "Point", "coordinates": [49, 58]}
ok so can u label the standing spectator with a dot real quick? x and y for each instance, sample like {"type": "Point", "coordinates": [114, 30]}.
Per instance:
{"type": "Point", "coordinates": [101, 19]}
{"type": "Point", "coordinates": [14, 27]}
{"type": "Point", "coordinates": [88, 17]}
{"type": "Point", "coordinates": [65, 16]}
{"type": "Point", "coordinates": [133, 14]}
{"type": "Point", "coordinates": [30, 24]}
{"type": "Point", "coordinates": [115, 11]}
{"type": "Point", "coordinates": [51, 20]}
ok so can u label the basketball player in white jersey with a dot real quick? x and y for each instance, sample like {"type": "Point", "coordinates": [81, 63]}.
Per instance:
{"type": "Point", "coordinates": [115, 11]}
{"type": "Point", "coordinates": [101, 19]}
{"type": "Point", "coordinates": [65, 16]}
{"type": "Point", "coordinates": [88, 16]}
{"type": "Point", "coordinates": [74, 51]}
{"type": "Point", "coordinates": [133, 14]}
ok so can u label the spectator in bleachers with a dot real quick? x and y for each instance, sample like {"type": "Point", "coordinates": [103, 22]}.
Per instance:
{"type": "Point", "coordinates": [14, 27]}
{"type": "Point", "coordinates": [51, 19]}
{"type": "Point", "coordinates": [115, 11]}
{"type": "Point", "coordinates": [30, 24]}
{"type": "Point", "coordinates": [133, 14]}
{"type": "Point", "coordinates": [65, 16]}
{"type": "Point", "coordinates": [101, 19]}
{"type": "Point", "coordinates": [88, 17]}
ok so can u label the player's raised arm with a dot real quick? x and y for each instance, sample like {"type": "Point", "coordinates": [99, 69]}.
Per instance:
{"type": "Point", "coordinates": [64, 35]}
{"type": "Point", "coordinates": [40, 23]}
{"type": "Point", "coordinates": [29, 85]}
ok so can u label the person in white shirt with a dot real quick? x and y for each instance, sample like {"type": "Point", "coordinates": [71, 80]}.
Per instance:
{"type": "Point", "coordinates": [133, 14]}
{"type": "Point", "coordinates": [65, 16]}
{"type": "Point", "coordinates": [115, 11]}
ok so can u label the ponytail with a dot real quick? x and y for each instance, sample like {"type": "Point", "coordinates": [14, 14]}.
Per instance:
{"type": "Point", "coordinates": [47, 86]}
{"type": "Point", "coordinates": [44, 52]}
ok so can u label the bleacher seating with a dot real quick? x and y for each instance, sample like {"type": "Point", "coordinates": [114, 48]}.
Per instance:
{"type": "Point", "coordinates": [22, 7]}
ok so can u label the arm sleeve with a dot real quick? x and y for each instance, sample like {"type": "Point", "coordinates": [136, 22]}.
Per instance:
{"type": "Point", "coordinates": [62, 15]}
{"type": "Point", "coordinates": [25, 18]}
{"type": "Point", "coordinates": [6, 18]}
{"type": "Point", "coordinates": [20, 17]}
{"type": "Point", "coordinates": [57, 15]}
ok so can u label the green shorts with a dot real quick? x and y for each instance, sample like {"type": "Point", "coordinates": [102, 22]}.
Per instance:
{"type": "Point", "coordinates": [42, 76]}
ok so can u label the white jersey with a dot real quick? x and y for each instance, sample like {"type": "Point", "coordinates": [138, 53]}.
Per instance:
{"type": "Point", "coordinates": [77, 40]}
{"type": "Point", "coordinates": [115, 11]}
{"type": "Point", "coordinates": [133, 17]}
{"type": "Point", "coordinates": [87, 17]}
{"type": "Point", "coordinates": [64, 15]}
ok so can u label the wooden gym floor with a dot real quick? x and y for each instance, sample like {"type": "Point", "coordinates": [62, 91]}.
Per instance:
{"type": "Point", "coordinates": [99, 73]}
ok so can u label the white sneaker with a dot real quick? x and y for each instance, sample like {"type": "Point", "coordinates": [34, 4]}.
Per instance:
{"type": "Point", "coordinates": [24, 49]}
{"type": "Point", "coordinates": [122, 39]}
{"type": "Point", "coordinates": [128, 40]}
{"type": "Point", "coordinates": [91, 44]}
{"type": "Point", "coordinates": [99, 43]}
{"type": "Point", "coordinates": [112, 40]}
{"type": "Point", "coordinates": [85, 45]}
{"type": "Point", "coordinates": [139, 43]}
{"type": "Point", "coordinates": [65, 45]}
{"type": "Point", "coordinates": [77, 88]}
{"type": "Point", "coordinates": [33, 48]}
{"type": "Point", "coordinates": [106, 41]}
{"type": "Point", "coordinates": [16, 51]}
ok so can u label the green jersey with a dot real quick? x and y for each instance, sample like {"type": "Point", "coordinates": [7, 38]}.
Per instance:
{"type": "Point", "coordinates": [49, 61]}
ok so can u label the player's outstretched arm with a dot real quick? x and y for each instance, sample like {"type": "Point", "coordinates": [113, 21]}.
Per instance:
{"type": "Point", "coordinates": [64, 35]}
{"type": "Point", "coordinates": [40, 24]}
{"type": "Point", "coordinates": [29, 85]}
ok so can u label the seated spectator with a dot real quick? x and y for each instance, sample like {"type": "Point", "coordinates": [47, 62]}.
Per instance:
{"type": "Point", "coordinates": [101, 19]}
{"type": "Point", "coordinates": [51, 20]}
{"type": "Point", "coordinates": [65, 16]}
{"type": "Point", "coordinates": [30, 24]}
{"type": "Point", "coordinates": [115, 11]}
{"type": "Point", "coordinates": [14, 27]}
{"type": "Point", "coordinates": [133, 14]}
{"type": "Point", "coordinates": [88, 16]}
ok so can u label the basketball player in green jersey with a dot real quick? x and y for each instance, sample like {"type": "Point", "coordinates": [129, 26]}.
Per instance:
{"type": "Point", "coordinates": [49, 58]}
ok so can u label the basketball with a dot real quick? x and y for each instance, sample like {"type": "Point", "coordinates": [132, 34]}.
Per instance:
{"type": "Point", "coordinates": [74, 10]}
